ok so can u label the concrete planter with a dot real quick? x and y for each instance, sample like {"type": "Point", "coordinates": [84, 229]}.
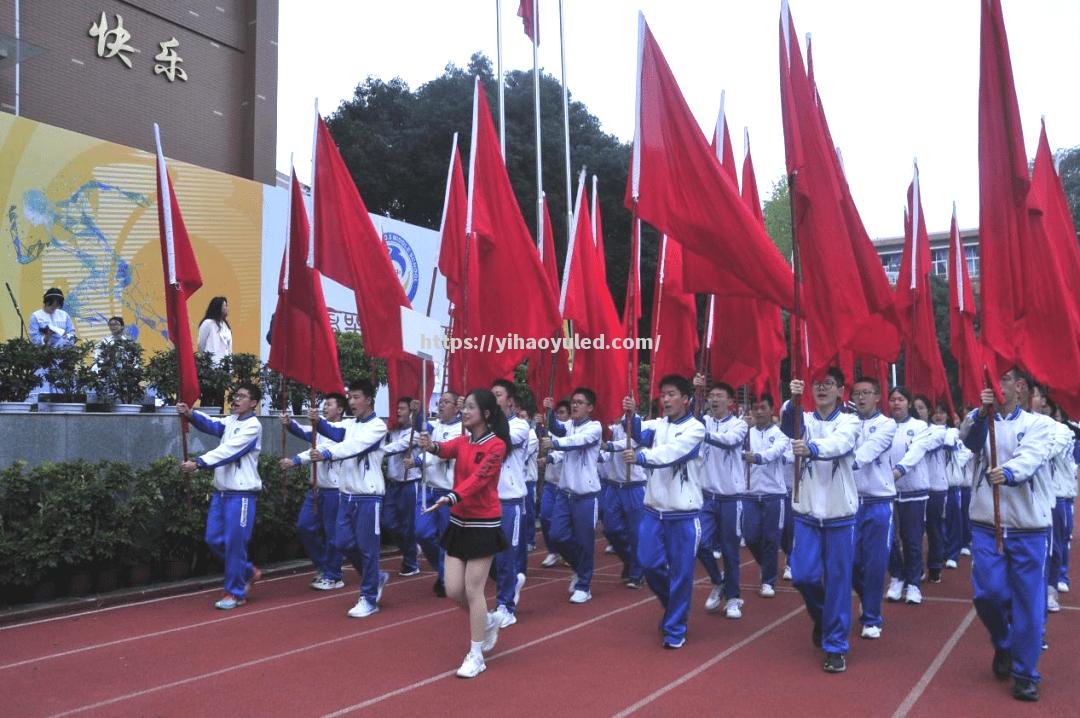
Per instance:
{"type": "Point", "coordinates": [14, 407]}
{"type": "Point", "coordinates": [61, 407]}
{"type": "Point", "coordinates": [126, 408]}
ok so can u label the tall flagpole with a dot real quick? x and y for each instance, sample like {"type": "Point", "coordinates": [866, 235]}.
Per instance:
{"type": "Point", "coordinates": [539, 160]}
{"type": "Point", "coordinates": [502, 98]}
{"type": "Point", "coordinates": [566, 124]}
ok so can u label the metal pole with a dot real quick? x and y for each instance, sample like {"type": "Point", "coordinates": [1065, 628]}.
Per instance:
{"type": "Point", "coordinates": [539, 159]}
{"type": "Point", "coordinates": [566, 123]}
{"type": "Point", "coordinates": [18, 56]}
{"type": "Point", "coordinates": [502, 98]}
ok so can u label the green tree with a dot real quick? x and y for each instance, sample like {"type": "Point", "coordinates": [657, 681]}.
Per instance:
{"type": "Point", "coordinates": [1069, 170]}
{"type": "Point", "coordinates": [777, 211]}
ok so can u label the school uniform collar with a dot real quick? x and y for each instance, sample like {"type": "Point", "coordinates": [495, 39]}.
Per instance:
{"type": "Point", "coordinates": [904, 421]}
{"type": "Point", "coordinates": [831, 416]}
{"type": "Point", "coordinates": [686, 417]}
{"type": "Point", "coordinates": [368, 418]}
{"type": "Point", "coordinates": [875, 415]}
{"type": "Point", "coordinates": [1012, 415]}
{"type": "Point", "coordinates": [455, 420]}
{"type": "Point", "coordinates": [483, 439]}
{"type": "Point", "coordinates": [583, 422]}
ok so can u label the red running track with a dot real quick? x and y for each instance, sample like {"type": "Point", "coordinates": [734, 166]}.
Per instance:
{"type": "Point", "coordinates": [292, 651]}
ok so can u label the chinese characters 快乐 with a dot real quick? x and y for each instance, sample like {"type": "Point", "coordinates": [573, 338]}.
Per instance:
{"type": "Point", "coordinates": [113, 42]}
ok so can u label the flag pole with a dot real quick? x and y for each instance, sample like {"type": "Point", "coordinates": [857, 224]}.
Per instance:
{"type": "Point", "coordinates": [286, 259]}
{"type": "Point", "coordinates": [536, 112]}
{"type": "Point", "coordinates": [746, 439]}
{"type": "Point", "coordinates": [566, 124]}
{"type": "Point", "coordinates": [655, 323]}
{"type": "Point", "coordinates": [703, 357]}
{"type": "Point", "coordinates": [995, 488]}
{"type": "Point", "coordinates": [631, 311]}
{"type": "Point", "coordinates": [796, 340]}
{"type": "Point", "coordinates": [502, 97]}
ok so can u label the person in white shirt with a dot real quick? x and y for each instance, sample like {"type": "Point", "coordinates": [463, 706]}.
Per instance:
{"type": "Point", "coordinates": [399, 505]}
{"type": "Point", "coordinates": [437, 481]}
{"type": "Point", "coordinates": [573, 522]}
{"type": "Point", "coordinates": [318, 515]}
{"type": "Point", "coordinates": [215, 334]}
{"type": "Point", "coordinates": [939, 422]}
{"type": "Point", "coordinates": [958, 473]}
{"type": "Point", "coordinates": [235, 462]}
{"type": "Point", "coordinates": [51, 325]}
{"type": "Point", "coordinates": [823, 557]}
{"type": "Point", "coordinates": [763, 516]}
{"type": "Point", "coordinates": [670, 448]}
{"type": "Point", "coordinates": [552, 477]}
{"type": "Point", "coordinates": [625, 498]}
{"type": "Point", "coordinates": [512, 491]}
{"type": "Point", "coordinates": [532, 475]}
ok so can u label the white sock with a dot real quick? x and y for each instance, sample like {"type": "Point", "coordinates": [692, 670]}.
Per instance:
{"type": "Point", "coordinates": [477, 648]}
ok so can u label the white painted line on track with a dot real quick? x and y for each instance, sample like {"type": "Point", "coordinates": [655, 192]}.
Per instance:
{"type": "Point", "coordinates": [934, 667]}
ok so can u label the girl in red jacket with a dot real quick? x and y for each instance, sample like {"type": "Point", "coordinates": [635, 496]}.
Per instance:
{"type": "Point", "coordinates": [475, 534]}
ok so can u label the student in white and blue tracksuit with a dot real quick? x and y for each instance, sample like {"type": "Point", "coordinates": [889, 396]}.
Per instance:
{"type": "Point", "coordinates": [573, 521]}
{"type": "Point", "coordinates": [936, 461]}
{"type": "Point", "coordinates": [512, 492]}
{"type": "Point", "coordinates": [821, 561]}
{"type": "Point", "coordinates": [552, 478]}
{"type": "Point", "coordinates": [318, 516]}
{"type": "Point", "coordinates": [399, 504]}
{"type": "Point", "coordinates": [235, 462]}
{"type": "Point", "coordinates": [532, 475]}
{"type": "Point", "coordinates": [877, 491]}
{"type": "Point", "coordinates": [670, 530]}
{"type": "Point", "coordinates": [1064, 473]}
{"type": "Point", "coordinates": [910, 444]}
{"type": "Point", "coordinates": [1010, 587]}
{"type": "Point", "coordinates": [722, 486]}
{"type": "Point", "coordinates": [437, 481]}
{"type": "Point", "coordinates": [763, 514]}
{"type": "Point", "coordinates": [358, 448]}
{"type": "Point", "coordinates": [958, 473]}
{"type": "Point", "coordinates": [624, 503]}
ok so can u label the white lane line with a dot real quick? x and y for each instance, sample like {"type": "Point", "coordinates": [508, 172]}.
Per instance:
{"type": "Point", "coordinates": [264, 659]}
{"type": "Point", "coordinates": [438, 677]}
{"type": "Point", "coordinates": [708, 664]}
{"type": "Point", "coordinates": [939, 660]}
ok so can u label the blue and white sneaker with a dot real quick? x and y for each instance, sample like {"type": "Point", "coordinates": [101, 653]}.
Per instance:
{"type": "Point", "coordinates": [383, 578]}
{"type": "Point", "coordinates": [674, 643]}
{"type": "Point", "coordinates": [229, 602]}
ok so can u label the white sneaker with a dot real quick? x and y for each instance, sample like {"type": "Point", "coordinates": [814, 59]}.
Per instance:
{"type": "Point", "coordinates": [965, 551]}
{"type": "Point", "coordinates": [504, 616]}
{"type": "Point", "coordinates": [517, 588]}
{"type": "Point", "coordinates": [733, 609]}
{"type": "Point", "coordinates": [550, 560]}
{"type": "Point", "coordinates": [742, 543]}
{"type": "Point", "coordinates": [383, 578]}
{"type": "Point", "coordinates": [950, 563]}
{"type": "Point", "coordinates": [327, 584]}
{"type": "Point", "coordinates": [717, 555]}
{"type": "Point", "coordinates": [871, 632]}
{"type": "Point", "coordinates": [491, 632]}
{"type": "Point", "coordinates": [1062, 587]}
{"type": "Point", "coordinates": [363, 609]}
{"type": "Point", "coordinates": [716, 597]}
{"type": "Point", "coordinates": [609, 549]}
{"type": "Point", "coordinates": [472, 666]}
{"type": "Point", "coordinates": [1052, 604]}
{"type": "Point", "coordinates": [913, 595]}
{"type": "Point", "coordinates": [896, 590]}
{"type": "Point", "coordinates": [573, 583]}
{"type": "Point", "coordinates": [767, 591]}
{"type": "Point", "coordinates": [580, 596]}
{"type": "Point", "coordinates": [787, 573]}
{"type": "Point", "coordinates": [318, 577]}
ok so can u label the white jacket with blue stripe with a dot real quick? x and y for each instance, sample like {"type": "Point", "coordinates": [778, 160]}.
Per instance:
{"type": "Point", "coordinates": [827, 492]}
{"type": "Point", "coordinates": [671, 450]}
{"type": "Point", "coordinates": [579, 448]}
{"type": "Point", "coordinates": [235, 461]}
{"type": "Point", "coordinates": [358, 446]}
{"type": "Point", "coordinates": [873, 470]}
{"type": "Point", "coordinates": [723, 471]}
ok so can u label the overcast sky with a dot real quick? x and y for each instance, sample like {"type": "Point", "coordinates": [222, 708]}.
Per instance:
{"type": "Point", "coordinates": [899, 80]}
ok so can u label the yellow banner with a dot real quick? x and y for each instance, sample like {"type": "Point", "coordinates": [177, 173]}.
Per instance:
{"type": "Point", "coordinates": [81, 214]}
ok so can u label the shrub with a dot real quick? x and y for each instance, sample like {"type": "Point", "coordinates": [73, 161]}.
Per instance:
{"type": "Point", "coordinates": [20, 360]}
{"type": "Point", "coordinates": [162, 375]}
{"type": "Point", "coordinates": [119, 373]}
{"type": "Point", "coordinates": [67, 371]}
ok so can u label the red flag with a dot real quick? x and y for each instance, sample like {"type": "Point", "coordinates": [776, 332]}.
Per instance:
{"type": "Point", "coordinates": [631, 315]}
{"type": "Point", "coordinates": [452, 230]}
{"type": "Point", "coordinates": [303, 349]}
{"type": "Point", "coordinates": [512, 295]}
{"type": "Point", "coordinates": [674, 319]}
{"type": "Point", "coordinates": [1003, 195]}
{"type": "Point", "coordinates": [925, 372]}
{"type": "Point", "coordinates": [182, 278]}
{"type": "Point", "coordinates": [678, 187]}
{"type": "Point", "coordinates": [529, 12]}
{"type": "Point", "coordinates": [1051, 346]}
{"type": "Point", "coordinates": [965, 348]}
{"type": "Point", "coordinates": [539, 373]}
{"type": "Point", "coordinates": [598, 230]}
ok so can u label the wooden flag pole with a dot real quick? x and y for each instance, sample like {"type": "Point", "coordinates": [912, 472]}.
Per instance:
{"type": "Point", "coordinates": [631, 304]}
{"type": "Point", "coordinates": [995, 488]}
{"type": "Point", "coordinates": [746, 439]}
{"type": "Point", "coordinates": [796, 340]}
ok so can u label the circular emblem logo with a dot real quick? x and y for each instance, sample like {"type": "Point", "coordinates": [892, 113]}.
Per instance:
{"type": "Point", "coordinates": [911, 432]}
{"type": "Point", "coordinates": [873, 429]}
{"type": "Point", "coordinates": [404, 261]}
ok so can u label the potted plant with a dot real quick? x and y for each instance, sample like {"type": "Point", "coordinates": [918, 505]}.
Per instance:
{"type": "Point", "coordinates": [162, 376]}
{"type": "Point", "coordinates": [214, 381]}
{"type": "Point", "coordinates": [119, 376]}
{"type": "Point", "coordinates": [144, 526]}
{"type": "Point", "coordinates": [68, 375]}
{"type": "Point", "coordinates": [354, 360]}
{"type": "Point", "coordinates": [20, 362]}
{"type": "Point", "coordinates": [186, 496]}
{"type": "Point", "coordinates": [295, 394]}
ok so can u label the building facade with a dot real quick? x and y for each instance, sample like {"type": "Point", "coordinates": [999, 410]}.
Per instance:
{"type": "Point", "coordinates": [891, 250]}
{"type": "Point", "coordinates": [204, 70]}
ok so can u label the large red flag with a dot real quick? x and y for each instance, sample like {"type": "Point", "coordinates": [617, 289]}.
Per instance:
{"type": "Point", "coordinates": [925, 372]}
{"type": "Point", "coordinates": [350, 251]}
{"type": "Point", "coordinates": [529, 12]}
{"type": "Point", "coordinates": [512, 295]}
{"type": "Point", "coordinates": [965, 348]}
{"type": "Point", "coordinates": [598, 229]}
{"type": "Point", "coordinates": [1003, 196]}
{"type": "Point", "coordinates": [539, 375]}
{"type": "Point", "coordinates": [631, 316]}
{"type": "Point", "coordinates": [452, 230]}
{"type": "Point", "coordinates": [674, 319]}
{"type": "Point", "coordinates": [303, 347]}
{"type": "Point", "coordinates": [676, 185]}
{"type": "Point", "coordinates": [182, 278]}
{"type": "Point", "coordinates": [1051, 348]}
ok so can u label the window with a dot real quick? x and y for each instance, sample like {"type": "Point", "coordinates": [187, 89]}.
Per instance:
{"type": "Point", "coordinates": [939, 262]}
{"type": "Point", "coordinates": [971, 255]}
{"type": "Point", "coordinates": [891, 263]}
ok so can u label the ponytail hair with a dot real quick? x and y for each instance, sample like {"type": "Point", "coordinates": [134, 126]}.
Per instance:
{"type": "Point", "coordinates": [496, 420]}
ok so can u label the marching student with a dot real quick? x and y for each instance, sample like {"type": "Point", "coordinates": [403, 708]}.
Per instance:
{"type": "Point", "coordinates": [358, 448]}
{"type": "Point", "coordinates": [624, 503]}
{"type": "Point", "coordinates": [552, 479]}
{"type": "Point", "coordinates": [670, 524]}
{"type": "Point", "coordinates": [1064, 475]}
{"type": "Point", "coordinates": [573, 520]}
{"type": "Point", "coordinates": [399, 505]}
{"type": "Point", "coordinates": [508, 579]}
{"type": "Point", "coordinates": [235, 462]}
{"type": "Point", "coordinates": [1010, 592]}
{"type": "Point", "coordinates": [438, 481]}
{"type": "Point", "coordinates": [825, 512]}
{"type": "Point", "coordinates": [475, 534]}
{"type": "Point", "coordinates": [318, 516]}
{"type": "Point", "coordinates": [910, 444]}
{"type": "Point", "coordinates": [877, 491]}
{"type": "Point", "coordinates": [532, 475]}
{"type": "Point", "coordinates": [722, 485]}
{"type": "Point", "coordinates": [958, 499]}
{"type": "Point", "coordinates": [938, 423]}
{"type": "Point", "coordinates": [763, 516]}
